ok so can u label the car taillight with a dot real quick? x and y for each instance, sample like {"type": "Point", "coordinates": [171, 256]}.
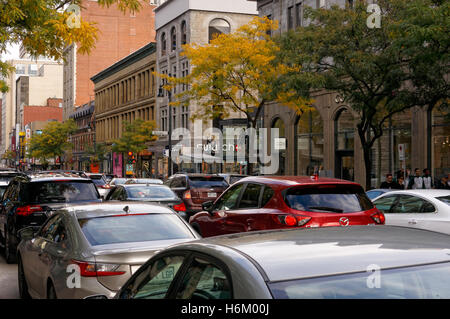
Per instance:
{"type": "Point", "coordinates": [179, 208]}
{"type": "Point", "coordinates": [105, 186]}
{"type": "Point", "coordinates": [88, 269]}
{"type": "Point", "coordinates": [292, 220]}
{"type": "Point", "coordinates": [187, 195]}
{"type": "Point", "coordinates": [379, 218]}
{"type": "Point", "coordinates": [28, 210]}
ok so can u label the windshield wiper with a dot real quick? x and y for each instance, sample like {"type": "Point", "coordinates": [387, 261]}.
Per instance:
{"type": "Point", "coordinates": [328, 209]}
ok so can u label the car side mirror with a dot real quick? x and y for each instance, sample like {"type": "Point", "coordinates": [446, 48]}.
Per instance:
{"type": "Point", "coordinates": [26, 233]}
{"type": "Point", "coordinates": [208, 206]}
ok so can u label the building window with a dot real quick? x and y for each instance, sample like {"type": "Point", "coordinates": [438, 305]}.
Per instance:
{"type": "Point", "coordinates": [290, 17]}
{"type": "Point", "coordinates": [163, 43]}
{"type": "Point", "coordinates": [173, 39]}
{"type": "Point", "coordinates": [309, 143]}
{"type": "Point", "coordinates": [32, 70]}
{"type": "Point", "coordinates": [20, 69]}
{"type": "Point", "coordinates": [279, 124]}
{"type": "Point", "coordinates": [269, 32]}
{"type": "Point", "coordinates": [298, 14]}
{"type": "Point", "coordinates": [217, 27]}
{"type": "Point", "coordinates": [183, 33]}
{"type": "Point", "coordinates": [440, 140]}
{"type": "Point", "coordinates": [185, 116]}
{"type": "Point", "coordinates": [344, 145]}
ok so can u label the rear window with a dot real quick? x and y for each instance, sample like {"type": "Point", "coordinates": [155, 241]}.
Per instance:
{"type": "Point", "coordinates": [151, 192]}
{"type": "Point", "coordinates": [328, 199]}
{"type": "Point", "coordinates": [445, 199]}
{"type": "Point", "coordinates": [133, 228]}
{"type": "Point", "coordinates": [423, 282]}
{"type": "Point", "coordinates": [60, 192]}
{"type": "Point", "coordinates": [207, 181]}
{"type": "Point", "coordinates": [99, 182]}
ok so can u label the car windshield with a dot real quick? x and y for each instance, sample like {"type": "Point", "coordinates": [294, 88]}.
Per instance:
{"type": "Point", "coordinates": [60, 192]}
{"type": "Point", "coordinates": [133, 228]}
{"type": "Point", "coordinates": [208, 181]}
{"type": "Point", "coordinates": [150, 192]}
{"type": "Point", "coordinates": [328, 199]}
{"type": "Point", "coordinates": [118, 181]}
{"type": "Point", "coordinates": [422, 282]}
{"type": "Point", "coordinates": [445, 199]}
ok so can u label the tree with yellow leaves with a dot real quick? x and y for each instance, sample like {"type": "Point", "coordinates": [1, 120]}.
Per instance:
{"type": "Point", "coordinates": [46, 27]}
{"type": "Point", "coordinates": [235, 73]}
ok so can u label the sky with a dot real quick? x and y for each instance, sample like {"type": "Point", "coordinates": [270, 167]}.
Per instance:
{"type": "Point", "coordinates": [13, 53]}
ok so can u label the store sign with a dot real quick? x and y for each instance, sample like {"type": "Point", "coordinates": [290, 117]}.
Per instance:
{"type": "Point", "coordinates": [401, 152]}
{"type": "Point", "coordinates": [129, 169]}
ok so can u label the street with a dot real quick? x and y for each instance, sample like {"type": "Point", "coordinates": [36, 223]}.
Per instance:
{"type": "Point", "coordinates": [8, 280]}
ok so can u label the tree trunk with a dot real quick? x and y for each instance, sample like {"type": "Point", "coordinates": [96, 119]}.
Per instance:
{"type": "Point", "coordinates": [367, 166]}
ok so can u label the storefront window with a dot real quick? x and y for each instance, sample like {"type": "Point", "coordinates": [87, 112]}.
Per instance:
{"type": "Point", "coordinates": [344, 143]}
{"type": "Point", "coordinates": [309, 143]}
{"type": "Point", "coordinates": [440, 140]}
{"type": "Point", "coordinates": [279, 124]}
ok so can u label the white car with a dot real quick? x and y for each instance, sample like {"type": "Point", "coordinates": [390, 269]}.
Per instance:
{"type": "Point", "coordinates": [424, 209]}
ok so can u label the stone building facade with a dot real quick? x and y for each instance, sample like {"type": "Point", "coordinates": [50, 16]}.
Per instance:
{"type": "Point", "coordinates": [179, 22]}
{"type": "Point", "coordinates": [326, 139]}
{"type": "Point", "coordinates": [124, 92]}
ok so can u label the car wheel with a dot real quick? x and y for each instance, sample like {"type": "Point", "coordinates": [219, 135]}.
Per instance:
{"type": "Point", "coordinates": [10, 256]}
{"type": "Point", "coordinates": [51, 293]}
{"type": "Point", "coordinates": [23, 286]}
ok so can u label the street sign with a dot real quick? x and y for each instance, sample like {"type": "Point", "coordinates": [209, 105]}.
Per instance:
{"type": "Point", "coordinates": [401, 152]}
{"type": "Point", "coordinates": [129, 169]}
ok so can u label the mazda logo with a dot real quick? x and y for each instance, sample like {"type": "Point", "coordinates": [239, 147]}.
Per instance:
{"type": "Point", "coordinates": [344, 221]}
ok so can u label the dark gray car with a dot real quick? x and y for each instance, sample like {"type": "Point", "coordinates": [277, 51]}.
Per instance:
{"type": "Point", "coordinates": [323, 263]}
{"type": "Point", "coordinates": [93, 249]}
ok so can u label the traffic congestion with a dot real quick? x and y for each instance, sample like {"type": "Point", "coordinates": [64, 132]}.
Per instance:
{"type": "Point", "coordinates": [75, 235]}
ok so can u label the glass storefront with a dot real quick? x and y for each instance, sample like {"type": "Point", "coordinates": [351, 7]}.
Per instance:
{"type": "Point", "coordinates": [279, 124]}
{"type": "Point", "coordinates": [344, 145]}
{"type": "Point", "coordinates": [310, 143]}
{"type": "Point", "coordinates": [440, 141]}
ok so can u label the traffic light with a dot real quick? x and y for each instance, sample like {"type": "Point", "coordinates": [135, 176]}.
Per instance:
{"type": "Point", "coordinates": [131, 158]}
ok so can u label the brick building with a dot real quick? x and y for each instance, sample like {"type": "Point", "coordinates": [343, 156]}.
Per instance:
{"type": "Point", "coordinates": [119, 35]}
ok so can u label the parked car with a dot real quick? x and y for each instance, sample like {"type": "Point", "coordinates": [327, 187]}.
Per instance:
{"type": "Point", "coordinates": [195, 189]}
{"type": "Point", "coordinates": [374, 193]}
{"type": "Point", "coordinates": [424, 209]}
{"type": "Point", "coordinates": [159, 194]}
{"type": "Point", "coordinates": [144, 181]}
{"type": "Point", "coordinates": [122, 180]}
{"type": "Point", "coordinates": [232, 178]}
{"type": "Point", "coordinates": [107, 242]}
{"type": "Point", "coordinates": [259, 203]}
{"type": "Point", "coordinates": [100, 182]}
{"type": "Point", "coordinates": [324, 263]}
{"type": "Point", "coordinates": [30, 200]}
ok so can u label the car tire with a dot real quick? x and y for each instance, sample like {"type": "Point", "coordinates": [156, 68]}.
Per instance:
{"type": "Point", "coordinates": [23, 286]}
{"type": "Point", "coordinates": [51, 292]}
{"type": "Point", "coordinates": [10, 255]}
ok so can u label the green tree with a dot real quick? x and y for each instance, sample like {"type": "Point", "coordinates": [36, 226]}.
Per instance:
{"type": "Point", "coordinates": [380, 71]}
{"type": "Point", "coordinates": [97, 152]}
{"type": "Point", "coordinates": [53, 141]}
{"type": "Point", "coordinates": [44, 28]}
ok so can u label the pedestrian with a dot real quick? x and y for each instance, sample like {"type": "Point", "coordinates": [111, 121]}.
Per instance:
{"type": "Point", "coordinates": [443, 183]}
{"type": "Point", "coordinates": [401, 182]}
{"type": "Point", "coordinates": [427, 179]}
{"type": "Point", "coordinates": [390, 183]}
{"type": "Point", "coordinates": [416, 181]}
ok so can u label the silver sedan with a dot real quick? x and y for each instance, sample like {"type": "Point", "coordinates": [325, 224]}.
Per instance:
{"type": "Point", "coordinates": [424, 209]}
{"type": "Point", "coordinates": [330, 262]}
{"type": "Point", "coordinates": [93, 249]}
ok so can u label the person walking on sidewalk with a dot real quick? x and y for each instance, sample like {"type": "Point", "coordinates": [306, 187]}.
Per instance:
{"type": "Point", "coordinates": [416, 181]}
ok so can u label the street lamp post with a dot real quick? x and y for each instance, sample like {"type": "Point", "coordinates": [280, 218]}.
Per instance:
{"type": "Point", "coordinates": [169, 133]}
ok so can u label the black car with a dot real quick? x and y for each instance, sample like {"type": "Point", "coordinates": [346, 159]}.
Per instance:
{"type": "Point", "coordinates": [195, 189]}
{"type": "Point", "coordinates": [154, 193]}
{"type": "Point", "coordinates": [30, 200]}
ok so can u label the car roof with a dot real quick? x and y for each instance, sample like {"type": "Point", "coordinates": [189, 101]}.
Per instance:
{"type": "Point", "coordinates": [294, 180]}
{"type": "Point", "coordinates": [143, 184]}
{"type": "Point", "coordinates": [422, 192]}
{"type": "Point", "coordinates": [92, 210]}
{"type": "Point", "coordinates": [313, 252]}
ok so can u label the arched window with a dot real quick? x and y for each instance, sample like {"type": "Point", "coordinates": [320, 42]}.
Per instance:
{"type": "Point", "coordinates": [183, 33]}
{"type": "Point", "coordinates": [163, 44]}
{"type": "Point", "coordinates": [344, 145]}
{"type": "Point", "coordinates": [217, 27]}
{"type": "Point", "coordinates": [173, 39]}
{"type": "Point", "coordinates": [309, 143]}
{"type": "Point", "coordinates": [279, 124]}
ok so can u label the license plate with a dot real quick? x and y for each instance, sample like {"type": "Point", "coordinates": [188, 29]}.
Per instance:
{"type": "Point", "coordinates": [134, 269]}
{"type": "Point", "coordinates": [212, 194]}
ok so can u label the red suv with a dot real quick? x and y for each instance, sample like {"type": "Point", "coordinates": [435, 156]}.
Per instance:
{"type": "Point", "coordinates": [259, 203]}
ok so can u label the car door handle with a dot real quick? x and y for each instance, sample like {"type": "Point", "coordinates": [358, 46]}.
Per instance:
{"type": "Point", "coordinates": [412, 221]}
